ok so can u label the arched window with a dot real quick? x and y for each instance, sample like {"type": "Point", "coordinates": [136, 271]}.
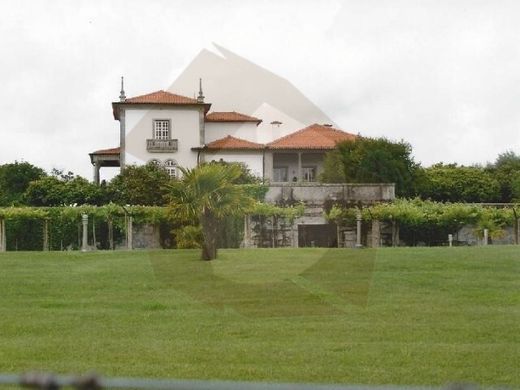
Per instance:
{"type": "Point", "coordinates": [155, 162]}
{"type": "Point", "coordinates": [171, 168]}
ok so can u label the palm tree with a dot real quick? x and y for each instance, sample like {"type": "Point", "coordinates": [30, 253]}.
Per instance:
{"type": "Point", "coordinates": [206, 194]}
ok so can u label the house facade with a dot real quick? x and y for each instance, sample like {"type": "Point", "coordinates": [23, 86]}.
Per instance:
{"type": "Point", "coordinates": [174, 131]}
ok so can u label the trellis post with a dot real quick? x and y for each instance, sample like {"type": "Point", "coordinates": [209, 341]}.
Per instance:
{"type": "Point", "coordinates": [111, 233]}
{"type": "Point", "coordinates": [376, 233]}
{"type": "Point", "coordinates": [395, 233]}
{"type": "Point", "coordinates": [45, 234]}
{"type": "Point", "coordinates": [84, 242]}
{"type": "Point", "coordinates": [3, 242]}
{"type": "Point", "coordinates": [129, 232]}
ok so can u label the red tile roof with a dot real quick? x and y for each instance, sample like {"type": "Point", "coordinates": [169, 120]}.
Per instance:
{"type": "Point", "coordinates": [233, 143]}
{"type": "Point", "coordinates": [160, 97]}
{"type": "Point", "coordinates": [107, 151]}
{"type": "Point", "coordinates": [312, 137]}
{"type": "Point", "coordinates": [230, 116]}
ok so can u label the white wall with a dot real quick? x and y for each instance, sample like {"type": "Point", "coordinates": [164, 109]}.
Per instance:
{"type": "Point", "coordinates": [245, 130]}
{"type": "Point", "coordinates": [184, 122]}
{"type": "Point", "coordinates": [252, 159]}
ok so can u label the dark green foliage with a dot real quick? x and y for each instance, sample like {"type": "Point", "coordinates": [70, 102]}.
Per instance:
{"type": "Point", "coordinates": [506, 170]}
{"type": "Point", "coordinates": [24, 234]}
{"type": "Point", "coordinates": [245, 176]}
{"type": "Point", "coordinates": [188, 237]}
{"type": "Point", "coordinates": [14, 180]}
{"type": "Point", "coordinates": [206, 195]}
{"type": "Point", "coordinates": [372, 160]}
{"type": "Point", "coordinates": [64, 190]}
{"type": "Point", "coordinates": [454, 183]}
{"type": "Point", "coordinates": [140, 185]}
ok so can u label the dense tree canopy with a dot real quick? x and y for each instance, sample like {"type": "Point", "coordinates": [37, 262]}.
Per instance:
{"type": "Point", "coordinates": [506, 170]}
{"type": "Point", "coordinates": [454, 183]}
{"type": "Point", "coordinates": [14, 180]}
{"type": "Point", "coordinates": [140, 185]}
{"type": "Point", "coordinates": [58, 190]}
{"type": "Point", "coordinates": [372, 160]}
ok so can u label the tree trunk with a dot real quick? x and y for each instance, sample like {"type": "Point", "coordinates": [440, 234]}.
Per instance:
{"type": "Point", "coordinates": [209, 231]}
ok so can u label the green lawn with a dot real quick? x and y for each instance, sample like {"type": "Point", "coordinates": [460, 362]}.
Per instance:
{"type": "Point", "coordinates": [387, 316]}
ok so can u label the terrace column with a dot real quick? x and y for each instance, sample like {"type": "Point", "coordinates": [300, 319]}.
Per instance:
{"type": "Point", "coordinates": [300, 167]}
{"type": "Point", "coordinates": [96, 172]}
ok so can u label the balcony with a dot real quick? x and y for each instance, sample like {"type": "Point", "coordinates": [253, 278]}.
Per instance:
{"type": "Point", "coordinates": [161, 145]}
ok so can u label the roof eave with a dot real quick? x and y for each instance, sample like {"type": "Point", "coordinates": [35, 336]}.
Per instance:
{"type": "Point", "coordinates": [116, 106]}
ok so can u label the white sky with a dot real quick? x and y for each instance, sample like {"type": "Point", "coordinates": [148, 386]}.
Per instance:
{"type": "Point", "coordinates": [443, 75]}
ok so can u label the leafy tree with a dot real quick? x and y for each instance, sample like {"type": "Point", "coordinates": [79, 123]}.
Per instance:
{"type": "Point", "coordinates": [372, 160]}
{"type": "Point", "coordinates": [207, 194]}
{"type": "Point", "coordinates": [140, 185]}
{"type": "Point", "coordinates": [454, 183]}
{"type": "Point", "coordinates": [506, 169]}
{"type": "Point", "coordinates": [64, 190]}
{"type": "Point", "coordinates": [245, 177]}
{"type": "Point", "coordinates": [14, 180]}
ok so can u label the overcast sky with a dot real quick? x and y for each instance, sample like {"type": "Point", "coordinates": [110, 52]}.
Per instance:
{"type": "Point", "coordinates": [443, 75]}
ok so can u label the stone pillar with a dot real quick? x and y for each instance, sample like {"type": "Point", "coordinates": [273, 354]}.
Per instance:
{"type": "Point", "coordinates": [45, 234]}
{"type": "Point", "coordinates": [3, 241]}
{"type": "Point", "coordinates": [450, 240]}
{"type": "Point", "coordinates": [84, 241]}
{"type": "Point", "coordinates": [358, 230]}
{"type": "Point", "coordinates": [130, 233]}
{"type": "Point", "coordinates": [486, 237]}
{"type": "Point", "coordinates": [376, 234]}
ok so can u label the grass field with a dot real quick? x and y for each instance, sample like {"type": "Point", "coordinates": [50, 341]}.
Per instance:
{"type": "Point", "coordinates": [387, 316]}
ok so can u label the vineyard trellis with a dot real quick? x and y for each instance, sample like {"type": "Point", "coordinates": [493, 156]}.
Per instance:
{"type": "Point", "coordinates": [430, 218]}
{"type": "Point", "coordinates": [60, 228]}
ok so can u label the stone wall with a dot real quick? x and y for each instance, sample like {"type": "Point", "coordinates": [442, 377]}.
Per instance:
{"type": "Point", "coordinates": [316, 193]}
{"type": "Point", "coordinates": [467, 236]}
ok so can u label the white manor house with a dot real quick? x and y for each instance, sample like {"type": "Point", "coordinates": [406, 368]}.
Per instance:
{"type": "Point", "coordinates": [172, 130]}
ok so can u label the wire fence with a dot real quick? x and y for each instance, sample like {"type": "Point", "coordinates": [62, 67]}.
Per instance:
{"type": "Point", "coordinates": [44, 381]}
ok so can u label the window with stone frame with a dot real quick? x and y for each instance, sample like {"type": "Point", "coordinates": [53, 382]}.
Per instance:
{"type": "Point", "coordinates": [161, 129]}
{"type": "Point", "coordinates": [171, 168]}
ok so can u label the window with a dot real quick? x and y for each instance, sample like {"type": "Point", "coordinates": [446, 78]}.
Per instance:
{"type": "Point", "coordinates": [309, 173]}
{"type": "Point", "coordinates": [155, 162]}
{"type": "Point", "coordinates": [171, 168]}
{"type": "Point", "coordinates": [161, 129]}
{"type": "Point", "coordinates": [280, 174]}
